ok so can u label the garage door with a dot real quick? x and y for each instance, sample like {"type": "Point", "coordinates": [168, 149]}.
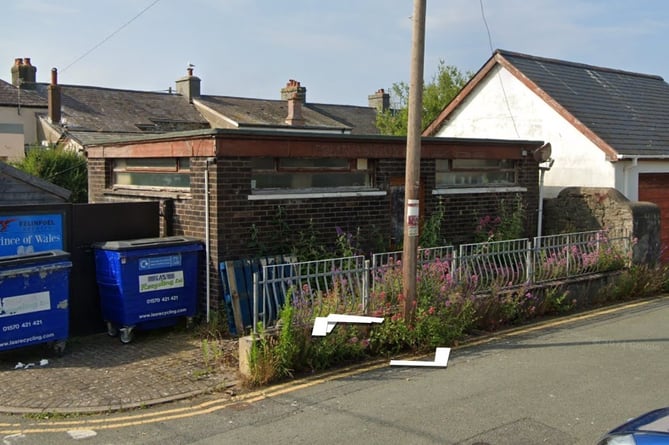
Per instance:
{"type": "Point", "coordinates": [654, 187]}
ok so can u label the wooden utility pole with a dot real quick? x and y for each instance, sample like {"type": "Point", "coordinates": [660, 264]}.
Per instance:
{"type": "Point", "coordinates": [412, 175]}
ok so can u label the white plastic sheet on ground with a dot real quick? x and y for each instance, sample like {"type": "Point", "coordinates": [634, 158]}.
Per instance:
{"type": "Point", "coordinates": [440, 360]}
{"type": "Point", "coordinates": [324, 325]}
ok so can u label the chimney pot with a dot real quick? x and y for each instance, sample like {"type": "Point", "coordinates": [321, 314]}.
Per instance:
{"type": "Point", "coordinates": [189, 86]}
{"type": "Point", "coordinates": [24, 74]}
{"type": "Point", "coordinates": [379, 100]}
{"type": "Point", "coordinates": [54, 99]}
{"type": "Point", "coordinates": [294, 87]}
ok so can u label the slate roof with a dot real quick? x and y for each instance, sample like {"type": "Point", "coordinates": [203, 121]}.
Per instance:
{"type": "Point", "coordinates": [362, 120]}
{"type": "Point", "coordinates": [258, 112]}
{"type": "Point", "coordinates": [97, 109]}
{"type": "Point", "coordinates": [11, 96]}
{"type": "Point", "coordinates": [95, 114]}
{"type": "Point", "coordinates": [628, 111]}
{"type": "Point", "coordinates": [249, 112]}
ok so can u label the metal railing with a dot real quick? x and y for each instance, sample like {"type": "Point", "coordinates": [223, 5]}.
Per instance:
{"type": "Point", "coordinates": [576, 254]}
{"type": "Point", "coordinates": [494, 264]}
{"type": "Point", "coordinates": [343, 284]}
{"type": "Point", "coordinates": [425, 255]}
{"type": "Point", "coordinates": [336, 284]}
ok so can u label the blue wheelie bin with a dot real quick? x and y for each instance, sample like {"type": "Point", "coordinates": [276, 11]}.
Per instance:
{"type": "Point", "coordinates": [34, 295]}
{"type": "Point", "coordinates": [147, 283]}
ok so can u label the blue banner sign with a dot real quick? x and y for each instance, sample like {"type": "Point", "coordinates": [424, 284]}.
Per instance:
{"type": "Point", "coordinates": [160, 262]}
{"type": "Point", "coordinates": [25, 234]}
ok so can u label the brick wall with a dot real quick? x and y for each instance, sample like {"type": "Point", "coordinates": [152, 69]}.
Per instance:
{"type": "Point", "coordinates": [97, 179]}
{"type": "Point", "coordinates": [242, 228]}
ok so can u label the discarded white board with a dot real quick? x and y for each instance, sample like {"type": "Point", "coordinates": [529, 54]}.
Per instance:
{"type": "Point", "coordinates": [324, 325]}
{"type": "Point", "coordinates": [321, 327]}
{"type": "Point", "coordinates": [440, 360]}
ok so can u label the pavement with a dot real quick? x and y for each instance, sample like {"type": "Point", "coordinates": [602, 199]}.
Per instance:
{"type": "Point", "coordinates": [97, 373]}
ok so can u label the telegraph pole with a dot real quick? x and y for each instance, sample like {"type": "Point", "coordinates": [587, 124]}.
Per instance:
{"type": "Point", "coordinates": [412, 175]}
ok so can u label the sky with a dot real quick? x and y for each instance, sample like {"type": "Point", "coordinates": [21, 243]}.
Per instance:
{"type": "Point", "coordinates": [340, 50]}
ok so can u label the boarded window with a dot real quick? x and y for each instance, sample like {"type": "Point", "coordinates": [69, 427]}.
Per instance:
{"type": "Point", "coordinates": [475, 172]}
{"type": "Point", "coordinates": [308, 173]}
{"type": "Point", "coordinates": [172, 173]}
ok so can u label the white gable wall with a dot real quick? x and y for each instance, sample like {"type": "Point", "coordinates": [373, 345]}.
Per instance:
{"type": "Point", "coordinates": [501, 107]}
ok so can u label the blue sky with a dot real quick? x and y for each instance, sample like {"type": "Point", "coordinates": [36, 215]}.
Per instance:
{"type": "Point", "coordinates": [341, 50]}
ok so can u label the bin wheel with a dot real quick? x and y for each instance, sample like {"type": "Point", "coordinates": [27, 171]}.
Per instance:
{"type": "Point", "coordinates": [112, 330]}
{"type": "Point", "coordinates": [59, 347]}
{"type": "Point", "coordinates": [126, 335]}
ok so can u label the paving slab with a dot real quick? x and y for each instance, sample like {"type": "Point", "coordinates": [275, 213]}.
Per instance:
{"type": "Point", "coordinates": [98, 373]}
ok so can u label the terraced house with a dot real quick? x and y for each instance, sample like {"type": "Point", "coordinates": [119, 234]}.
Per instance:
{"type": "Point", "coordinates": [260, 176]}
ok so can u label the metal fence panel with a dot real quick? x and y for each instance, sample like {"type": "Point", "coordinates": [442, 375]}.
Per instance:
{"type": "Point", "coordinates": [575, 254]}
{"type": "Point", "coordinates": [425, 255]}
{"type": "Point", "coordinates": [497, 264]}
{"type": "Point", "coordinates": [329, 285]}
{"type": "Point", "coordinates": [342, 285]}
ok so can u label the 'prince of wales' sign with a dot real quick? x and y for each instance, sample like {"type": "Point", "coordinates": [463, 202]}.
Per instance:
{"type": "Point", "coordinates": [24, 234]}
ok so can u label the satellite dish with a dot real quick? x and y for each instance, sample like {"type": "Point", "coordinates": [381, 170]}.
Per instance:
{"type": "Point", "coordinates": [543, 153]}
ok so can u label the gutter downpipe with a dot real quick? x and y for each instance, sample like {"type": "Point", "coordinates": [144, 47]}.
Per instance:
{"type": "Point", "coordinates": [626, 177]}
{"type": "Point", "coordinates": [635, 162]}
{"type": "Point", "coordinates": [541, 202]}
{"type": "Point", "coordinates": [207, 231]}
{"type": "Point", "coordinates": [542, 170]}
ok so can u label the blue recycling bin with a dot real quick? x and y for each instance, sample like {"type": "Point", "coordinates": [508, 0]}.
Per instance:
{"type": "Point", "coordinates": [34, 295]}
{"type": "Point", "coordinates": [147, 283]}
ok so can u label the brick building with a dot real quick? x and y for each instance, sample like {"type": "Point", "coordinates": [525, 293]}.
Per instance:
{"type": "Point", "coordinates": [268, 189]}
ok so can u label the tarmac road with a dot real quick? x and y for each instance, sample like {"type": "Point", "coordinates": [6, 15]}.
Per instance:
{"type": "Point", "coordinates": [562, 383]}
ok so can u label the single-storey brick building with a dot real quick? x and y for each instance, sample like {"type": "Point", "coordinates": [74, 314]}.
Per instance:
{"type": "Point", "coordinates": [268, 190]}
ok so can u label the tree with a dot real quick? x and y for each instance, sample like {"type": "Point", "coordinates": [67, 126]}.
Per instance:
{"type": "Point", "coordinates": [64, 168]}
{"type": "Point", "coordinates": [437, 93]}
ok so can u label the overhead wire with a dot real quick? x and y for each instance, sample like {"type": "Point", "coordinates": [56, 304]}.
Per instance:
{"type": "Point", "coordinates": [501, 82]}
{"type": "Point", "coordinates": [76, 166]}
{"type": "Point", "coordinates": [111, 35]}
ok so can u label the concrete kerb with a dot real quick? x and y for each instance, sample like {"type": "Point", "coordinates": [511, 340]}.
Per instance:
{"type": "Point", "coordinates": [221, 384]}
{"type": "Point", "coordinates": [245, 343]}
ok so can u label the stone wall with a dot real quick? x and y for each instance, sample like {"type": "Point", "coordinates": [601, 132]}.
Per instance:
{"type": "Point", "coordinates": [580, 209]}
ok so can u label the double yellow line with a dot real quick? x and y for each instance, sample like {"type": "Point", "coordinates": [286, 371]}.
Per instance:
{"type": "Point", "coordinates": [143, 418]}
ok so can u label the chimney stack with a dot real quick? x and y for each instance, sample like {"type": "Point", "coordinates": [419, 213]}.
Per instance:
{"type": "Point", "coordinates": [294, 118]}
{"type": "Point", "coordinates": [294, 89]}
{"type": "Point", "coordinates": [24, 74]}
{"type": "Point", "coordinates": [54, 100]}
{"type": "Point", "coordinates": [189, 86]}
{"type": "Point", "coordinates": [379, 100]}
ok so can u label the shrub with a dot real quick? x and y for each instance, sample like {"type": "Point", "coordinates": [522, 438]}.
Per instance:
{"type": "Point", "coordinates": [638, 281]}
{"type": "Point", "coordinates": [263, 364]}
{"type": "Point", "coordinates": [508, 224]}
{"type": "Point", "coordinates": [445, 310]}
{"type": "Point", "coordinates": [64, 168]}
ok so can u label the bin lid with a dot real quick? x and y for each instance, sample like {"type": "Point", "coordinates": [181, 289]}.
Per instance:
{"type": "Point", "coordinates": [48, 256]}
{"type": "Point", "coordinates": [147, 243]}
